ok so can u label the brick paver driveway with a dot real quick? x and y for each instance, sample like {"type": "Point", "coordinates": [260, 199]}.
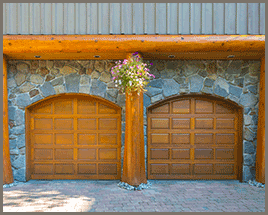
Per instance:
{"type": "Point", "coordinates": [163, 195]}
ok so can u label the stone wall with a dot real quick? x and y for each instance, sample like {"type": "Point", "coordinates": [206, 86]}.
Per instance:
{"type": "Point", "coordinates": [31, 81]}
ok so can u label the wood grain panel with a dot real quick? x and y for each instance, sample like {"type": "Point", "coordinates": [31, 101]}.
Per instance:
{"type": "Point", "coordinates": [180, 139]}
{"type": "Point", "coordinates": [204, 123]}
{"type": "Point", "coordinates": [103, 109]}
{"type": "Point", "coordinates": [180, 123]}
{"type": "Point", "coordinates": [225, 138]}
{"type": "Point", "coordinates": [108, 154]}
{"type": "Point", "coordinates": [160, 123]}
{"type": "Point", "coordinates": [203, 138]}
{"type": "Point", "coordinates": [43, 154]}
{"type": "Point", "coordinates": [203, 169]}
{"type": "Point", "coordinates": [224, 123]}
{"type": "Point", "coordinates": [202, 106]}
{"type": "Point", "coordinates": [159, 169]}
{"type": "Point", "coordinates": [64, 139]}
{"type": "Point", "coordinates": [63, 124]}
{"type": "Point", "coordinates": [109, 169]}
{"type": "Point", "coordinates": [224, 169]}
{"type": "Point", "coordinates": [86, 124]}
{"type": "Point", "coordinates": [107, 139]}
{"type": "Point", "coordinates": [87, 169]}
{"type": "Point", "coordinates": [181, 107]}
{"type": "Point", "coordinates": [164, 109]}
{"type": "Point", "coordinates": [203, 153]}
{"type": "Point", "coordinates": [159, 138]}
{"type": "Point", "coordinates": [42, 138]}
{"type": "Point", "coordinates": [86, 107]}
{"type": "Point", "coordinates": [64, 169]}
{"type": "Point", "coordinates": [86, 139]}
{"type": "Point", "coordinates": [180, 169]}
{"type": "Point", "coordinates": [63, 107]}
{"type": "Point", "coordinates": [180, 153]}
{"type": "Point", "coordinates": [43, 124]}
{"type": "Point", "coordinates": [86, 154]}
{"type": "Point", "coordinates": [107, 124]}
{"type": "Point", "coordinates": [45, 109]}
{"type": "Point", "coordinates": [43, 169]}
{"type": "Point", "coordinates": [64, 154]}
{"type": "Point", "coordinates": [224, 154]}
{"type": "Point", "coordinates": [159, 154]}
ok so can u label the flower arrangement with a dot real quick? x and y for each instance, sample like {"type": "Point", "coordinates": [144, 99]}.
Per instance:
{"type": "Point", "coordinates": [131, 74]}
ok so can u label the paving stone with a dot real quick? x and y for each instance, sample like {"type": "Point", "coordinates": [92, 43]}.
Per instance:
{"type": "Point", "coordinates": [250, 80]}
{"type": "Point", "coordinates": [23, 100]}
{"type": "Point", "coordinates": [75, 65]}
{"type": "Point", "coordinates": [42, 63]}
{"type": "Point", "coordinates": [20, 78]}
{"type": "Point", "coordinates": [254, 68]}
{"type": "Point", "coordinates": [179, 79]}
{"type": "Point", "coordinates": [57, 81]}
{"type": "Point", "coordinates": [97, 88]}
{"type": "Point", "coordinates": [248, 173]}
{"type": "Point", "coordinates": [255, 119]}
{"type": "Point", "coordinates": [248, 100]}
{"type": "Point", "coordinates": [50, 64]}
{"type": "Point", "coordinates": [249, 147]}
{"type": "Point", "coordinates": [249, 159]}
{"type": "Point", "coordinates": [72, 83]}
{"type": "Point", "coordinates": [170, 87]}
{"type": "Point", "coordinates": [18, 130]}
{"type": "Point", "coordinates": [246, 110]}
{"type": "Point", "coordinates": [14, 151]}
{"type": "Point", "coordinates": [192, 67]}
{"type": "Point", "coordinates": [26, 87]}
{"type": "Point", "coordinates": [47, 89]}
{"type": "Point", "coordinates": [202, 73]}
{"type": "Point", "coordinates": [12, 143]}
{"type": "Point", "coordinates": [109, 97]}
{"type": "Point", "coordinates": [236, 91]}
{"type": "Point", "coordinates": [55, 71]}
{"type": "Point", "coordinates": [222, 84]}
{"type": "Point", "coordinates": [152, 91]}
{"type": "Point", "coordinates": [43, 71]}
{"type": "Point", "coordinates": [95, 75]}
{"type": "Point", "coordinates": [207, 90]}
{"type": "Point", "coordinates": [196, 83]}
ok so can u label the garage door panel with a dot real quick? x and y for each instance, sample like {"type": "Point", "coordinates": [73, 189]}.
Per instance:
{"type": "Point", "coordinates": [43, 124]}
{"type": "Point", "coordinates": [180, 153]}
{"type": "Point", "coordinates": [42, 138]}
{"type": "Point", "coordinates": [89, 169]}
{"type": "Point", "coordinates": [204, 123]}
{"type": "Point", "coordinates": [64, 169]}
{"type": "Point", "coordinates": [63, 124]}
{"type": "Point", "coordinates": [44, 109]}
{"type": "Point", "coordinates": [225, 169]}
{"type": "Point", "coordinates": [159, 169]}
{"type": "Point", "coordinates": [160, 123]}
{"type": "Point", "coordinates": [43, 169]}
{"type": "Point", "coordinates": [107, 124]}
{"type": "Point", "coordinates": [159, 154]}
{"type": "Point", "coordinates": [108, 139]}
{"type": "Point", "coordinates": [63, 107]}
{"type": "Point", "coordinates": [64, 139]}
{"type": "Point", "coordinates": [180, 169]}
{"type": "Point", "coordinates": [86, 124]}
{"type": "Point", "coordinates": [221, 109]}
{"type": "Point", "coordinates": [203, 139]}
{"type": "Point", "coordinates": [43, 154]}
{"type": "Point", "coordinates": [87, 139]}
{"type": "Point", "coordinates": [104, 109]}
{"type": "Point", "coordinates": [181, 123]}
{"type": "Point", "coordinates": [86, 154]}
{"type": "Point", "coordinates": [225, 154]}
{"type": "Point", "coordinates": [201, 169]}
{"type": "Point", "coordinates": [63, 154]}
{"type": "Point", "coordinates": [164, 109]}
{"type": "Point", "coordinates": [203, 153]}
{"type": "Point", "coordinates": [86, 107]}
{"type": "Point", "coordinates": [225, 138]}
{"type": "Point", "coordinates": [202, 106]}
{"type": "Point", "coordinates": [107, 154]}
{"type": "Point", "coordinates": [180, 139]}
{"type": "Point", "coordinates": [225, 123]}
{"type": "Point", "coordinates": [160, 138]}
{"type": "Point", "coordinates": [107, 169]}
{"type": "Point", "coordinates": [181, 107]}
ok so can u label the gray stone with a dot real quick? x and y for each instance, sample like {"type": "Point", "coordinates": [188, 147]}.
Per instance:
{"type": "Point", "coordinates": [23, 67]}
{"type": "Point", "coordinates": [50, 64]}
{"type": "Point", "coordinates": [111, 85]}
{"type": "Point", "coordinates": [43, 71]}
{"type": "Point", "coordinates": [22, 151]}
{"type": "Point", "coordinates": [247, 120]}
{"type": "Point", "coordinates": [11, 83]}
{"type": "Point", "coordinates": [244, 71]}
{"type": "Point", "coordinates": [179, 79]}
{"type": "Point", "coordinates": [36, 79]}
{"type": "Point", "coordinates": [196, 83]}
{"type": "Point", "coordinates": [248, 173]}
{"type": "Point", "coordinates": [42, 63]}
{"type": "Point", "coordinates": [20, 118]}
{"type": "Point", "coordinates": [57, 81]}
{"type": "Point", "coordinates": [172, 65]}
{"type": "Point", "coordinates": [253, 89]}
{"type": "Point", "coordinates": [34, 64]}
{"type": "Point", "coordinates": [235, 67]}
{"type": "Point", "coordinates": [121, 100]}
{"type": "Point", "coordinates": [33, 93]}
{"type": "Point", "coordinates": [20, 175]}
{"type": "Point", "coordinates": [85, 80]}
{"type": "Point", "coordinates": [19, 162]}
{"type": "Point", "coordinates": [167, 73]}
{"type": "Point", "coordinates": [36, 98]}
{"type": "Point", "coordinates": [249, 135]}
{"type": "Point", "coordinates": [255, 119]}
{"type": "Point", "coordinates": [222, 84]}
{"type": "Point", "coordinates": [146, 100]}
{"type": "Point", "coordinates": [112, 92]}
{"type": "Point", "coordinates": [21, 141]}
{"type": "Point", "coordinates": [254, 68]}
{"type": "Point", "coordinates": [207, 90]}
{"type": "Point", "coordinates": [72, 83]}
{"type": "Point", "coordinates": [236, 91]}
{"type": "Point", "coordinates": [58, 64]}
{"type": "Point", "coordinates": [250, 80]}
{"type": "Point", "coordinates": [50, 77]}
{"type": "Point", "coordinates": [193, 67]}
{"type": "Point", "coordinates": [249, 159]}
{"type": "Point", "coordinates": [202, 73]}
{"type": "Point", "coordinates": [158, 83]}
{"type": "Point", "coordinates": [97, 88]}
{"type": "Point", "coordinates": [11, 71]}
{"type": "Point", "coordinates": [152, 91]}
{"type": "Point", "coordinates": [20, 78]}
{"type": "Point", "coordinates": [95, 75]}
{"type": "Point", "coordinates": [11, 113]}
{"type": "Point", "coordinates": [246, 110]}
{"type": "Point", "coordinates": [220, 91]}
{"type": "Point", "coordinates": [157, 98]}
{"type": "Point", "coordinates": [55, 71]}
{"type": "Point", "coordinates": [161, 65]}
{"type": "Point", "coordinates": [18, 130]}
{"type": "Point", "coordinates": [99, 66]}
{"type": "Point", "coordinates": [110, 98]}
{"type": "Point", "coordinates": [84, 89]}
{"type": "Point", "coordinates": [105, 77]}
{"type": "Point", "coordinates": [60, 89]}
{"type": "Point", "coordinates": [239, 82]}
{"type": "Point", "coordinates": [66, 70]}
{"type": "Point", "coordinates": [233, 98]}
{"type": "Point", "coordinates": [23, 100]}
{"type": "Point", "coordinates": [12, 143]}
{"type": "Point", "coordinates": [75, 65]}
{"type": "Point", "coordinates": [14, 151]}
{"type": "Point", "coordinates": [211, 67]}
{"type": "Point", "coordinates": [47, 89]}
{"type": "Point", "coordinates": [248, 147]}
{"type": "Point", "coordinates": [170, 87]}
{"type": "Point", "coordinates": [26, 87]}
{"type": "Point", "coordinates": [208, 82]}
{"type": "Point", "coordinates": [248, 100]}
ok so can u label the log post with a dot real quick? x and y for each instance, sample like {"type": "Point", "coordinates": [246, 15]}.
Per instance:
{"type": "Point", "coordinates": [7, 170]}
{"type": "Point", "coordinates": [134, 156]}
{"type": "Point", "coordinates": [260, 154]}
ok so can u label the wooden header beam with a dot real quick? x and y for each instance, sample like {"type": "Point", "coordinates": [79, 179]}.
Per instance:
{"type": "Point", "coordinates": [75, 47]}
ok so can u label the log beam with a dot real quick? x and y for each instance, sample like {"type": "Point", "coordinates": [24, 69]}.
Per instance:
{"type": "Point", "coordinates": [7, 170]}
{"type": "Point", "coordinates": [260, 154]}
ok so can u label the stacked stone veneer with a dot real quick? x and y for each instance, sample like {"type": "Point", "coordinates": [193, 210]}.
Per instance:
{"type": "Point", "coordinates": [31, 81]}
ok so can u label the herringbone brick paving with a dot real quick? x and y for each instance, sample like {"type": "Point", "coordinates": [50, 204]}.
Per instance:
{"type": "Point", "coordinates": [162, 196]}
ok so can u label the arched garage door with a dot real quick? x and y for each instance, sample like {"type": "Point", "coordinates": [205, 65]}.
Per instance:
{"type": "Point", "coordinates": [74, 137]}
{"type": "Point", "coordinates": [194, 137]}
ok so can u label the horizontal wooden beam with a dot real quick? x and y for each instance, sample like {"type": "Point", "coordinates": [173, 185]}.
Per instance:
{"type": "Point", "coordinates": [117, 46]}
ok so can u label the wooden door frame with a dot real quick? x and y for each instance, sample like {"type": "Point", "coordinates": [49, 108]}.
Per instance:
{"type": "Point", "coordinates": [27, 124]}
{"type": "Point", "coordinates": [240, 112]}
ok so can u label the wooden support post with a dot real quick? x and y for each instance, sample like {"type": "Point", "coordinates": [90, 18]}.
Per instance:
{"type": "Point", "coordinates": [7, 170]}
{"type": "Point", "coordinates": [260, 154]}
{"type": "Point", "coordinates": [134, 156]}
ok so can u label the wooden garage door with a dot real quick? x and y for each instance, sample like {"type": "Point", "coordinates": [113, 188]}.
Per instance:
{"type": "Point", "coordinates": [194, 138]}
{"type": "Point", "coordinates": [75, 137]}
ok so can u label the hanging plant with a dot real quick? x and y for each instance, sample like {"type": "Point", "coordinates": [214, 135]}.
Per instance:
{"type": "Point", "coordinates": [131, 74]}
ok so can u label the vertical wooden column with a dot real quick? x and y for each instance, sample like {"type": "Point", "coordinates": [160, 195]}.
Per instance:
{"type": "Point", "coordinates": [260, 154]}
{"type": "Point", "coordinates": [134, 157]}
{"type": "Point", "coordinates": [7, 170]}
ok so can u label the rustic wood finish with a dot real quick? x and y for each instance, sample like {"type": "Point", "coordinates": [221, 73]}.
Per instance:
{"type": "Point", "coordinates": [134, 157]}
{"type": "Point", "coordinates": [75, 47]}
{"type": "Point", "coordinates": [7, 170]}
{"type": "Point", "coordinates": [74, 136]}
{"type": "Point", "coordinates": [194, 137]}
{"type": "Point", "coordinates": [260, 154]}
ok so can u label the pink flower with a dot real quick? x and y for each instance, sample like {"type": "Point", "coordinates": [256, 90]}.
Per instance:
{"type": "Point", "coordinates": [113, 78]}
